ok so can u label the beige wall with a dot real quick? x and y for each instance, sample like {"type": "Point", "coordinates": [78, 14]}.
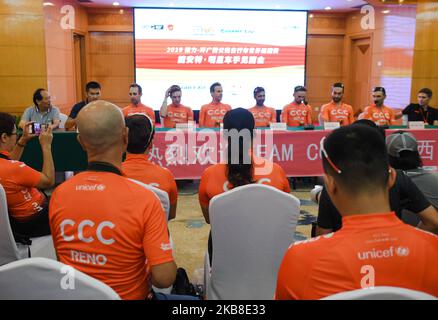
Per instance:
{"type": "Point", "coordinates": [60, 54]}
{"type": "Point", "coordinates": [111, 52]}
{"type": "Point", "coordinates": [325, 54]}
{"type": "Point", "coordinates": [392, 47]}
{"type": "Point", "coordinates": [22, 53]}
{"type": "Point", "coordinates": [110, 59]}
{"type": "Point", "coordinates": [425, 66]}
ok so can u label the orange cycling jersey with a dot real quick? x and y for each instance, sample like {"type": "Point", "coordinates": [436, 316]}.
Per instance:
{"type": "Point", "coordinates": [140, 108]}
{"type": "Point", "coordinates": [263, 115]}
{"type": "Point", "coordinates": [111, 229]}
{"type": "Point", "coordinates": [177, 114]}
{"type": "Point", "coordinates": [19, 182]}
{"type": "Point", "coordinates": [212, 114]}
{"type": "Point", "coordinates": [214, 179]}
{"type": "Point", "coordinates": [343, 113]}
{"type": "Point", "coordinates": [381, 116]}
{"type": "Point", "coordinates": [138, 167]}
{"type": "Point", "coordinates": [295, 115]}
{"type": "Point", "coordinates": [370, 250]}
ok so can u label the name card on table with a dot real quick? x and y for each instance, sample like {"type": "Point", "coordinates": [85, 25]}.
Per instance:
{"type": "Point", "coordinates": [331, 125]}
{"type": "Point", "coordinates": [416, 125]}
{"type": "Point", "coordinates": [278, 126]}
{"type": "Point", "coordinates": [185, 126]}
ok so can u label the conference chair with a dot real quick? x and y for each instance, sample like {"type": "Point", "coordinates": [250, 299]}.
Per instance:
{"type": "Point", "coordinates": [161, 194]}
{"type": "Point", "coordinates": [12, 251]}
{"type": "Point", "coordinates": [252, 226]}
{"type": "Point", "coordinates": [63, 117]}
{"type": "Point", "coordinates": [45, 279]}
{"type": "Point", "coordinates": [165, 203]}
{"type": "Point", "coordinates": [381, 293]}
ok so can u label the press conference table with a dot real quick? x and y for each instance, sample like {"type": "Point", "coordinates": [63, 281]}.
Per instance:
{"type": "Point", "coordinates": [187, 153]}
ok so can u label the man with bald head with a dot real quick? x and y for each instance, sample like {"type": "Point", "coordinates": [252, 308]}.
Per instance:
{"type": "Point", "coordinates": [104, 224]}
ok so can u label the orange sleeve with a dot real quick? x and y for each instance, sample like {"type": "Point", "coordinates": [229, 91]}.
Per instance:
{"type": "Point", "coordinates": [204, 200]}
{"type": "Point", "coordinates": [392, 119]}
{"type": "Point", "coordinates": [190, 112]}
{"type": "Point", "coordinates": [173, 190]}
{"type": "Point", "coordinates": [156, 242]}
{"type": "Point", "coordinates": [273, 116]}
{"type": "Point", "coordinates": [351, 114]}
{"type": "Point", "coordinates": [365, 114]}
{"type": "Point", "coordinates": [291, 276]}
{"type": "Point", "coordinates": [202, 117]}
{"type": "Point", "coordinates": [309, 115]}
{"type": "Point", "coordinates": [284, 114]}
{"type": "Point", "coordinates": [125, 111]}
{"type": "Point", "coordinates": [26, 176]}
{"type": "Point", "coordinates": [151, 114]}
{"type": "Point", "coordinates": [325, 113]}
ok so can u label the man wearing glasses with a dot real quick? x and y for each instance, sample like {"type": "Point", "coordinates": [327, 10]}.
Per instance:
{"type": "Point", "coordinates": [379, 113]}
{"type": "Point", "coordinates": [42, 111]}
{"type": "Point", "coordinates": [27, 206]}
{"type": "Point", "coordinates": [336, 110]}
{"type": "Point", "coordinates": [135, 94]}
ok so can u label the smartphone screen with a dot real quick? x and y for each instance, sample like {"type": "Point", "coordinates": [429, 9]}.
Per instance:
{"type": "Point", "coordinates": [35, 128]}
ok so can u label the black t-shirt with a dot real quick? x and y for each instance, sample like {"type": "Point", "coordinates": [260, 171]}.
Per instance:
{"type": "Point", "coordinates": [403, 195]}
{"type": "Point", "coordinates": [76, 108]}
{"type": "Point", "coordinates": [416, 113]}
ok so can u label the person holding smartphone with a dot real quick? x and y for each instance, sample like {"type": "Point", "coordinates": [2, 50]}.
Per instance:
{"type": "Point", "coordinates": [27, 206]}
{"type": "Point", "coordinates": [42, 111]}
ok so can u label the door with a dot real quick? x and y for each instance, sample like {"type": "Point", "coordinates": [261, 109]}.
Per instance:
{"type": "Point", "coordinates": [80, 71]}
{"type": "Point", "coordinates": [360, 73]}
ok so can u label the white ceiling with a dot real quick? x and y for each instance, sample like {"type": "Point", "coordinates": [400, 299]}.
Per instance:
{"type": "Point", "coordinates": [338, 5]}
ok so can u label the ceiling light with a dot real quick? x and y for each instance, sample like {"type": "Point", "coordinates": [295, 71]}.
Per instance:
{"type": "Point", "coordinates": [328, 8]}
{"type": "Point", "coordinates": [311, 15]}
{"type": "Point", "coordinates": [116, 4]}
{"type": "Point", "coordinates": [48, 4]}
{"type": "Point", "coordinates": [386, 11]}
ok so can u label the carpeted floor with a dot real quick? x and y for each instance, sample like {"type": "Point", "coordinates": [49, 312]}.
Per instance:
{"type": "Point", "coordinates": [190, 232]}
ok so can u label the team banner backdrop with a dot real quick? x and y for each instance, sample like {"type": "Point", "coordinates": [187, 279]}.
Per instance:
{"type": "Point", "coordinates": [188, 153]}
{"type": "Point", "coordinates": [241, 49]}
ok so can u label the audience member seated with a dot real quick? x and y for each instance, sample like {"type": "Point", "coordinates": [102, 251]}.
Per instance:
{"type": "Point", "coordinates": [138, 167]}
{"type": "Point", "coordinates": [175, 112]}
{"type": "Point", "coordinates": [42, 111]}
{"type": "Point", "coordinates": [135, 94]}
{"type": "Point", "coordinates": [93, 92]}
{"type": "Point", "coordinates": [241, 168]}
{"type": "Point", "coordinates": [27, 206]}
{"type": "Point", "coordinates": [263, 115]}
{"type": "Point", "coordinates": [403, 155]}
{"type": "Point", "coordinates": [373, 248]}
{"type": "Point", "coordinates": [404, 194]}
{"type": "Point", "coordinates": [105, 225]}
{"type": "Point", "coordinates": [379, 113]}
{"type": "Point", "coordinates": [422, 111]}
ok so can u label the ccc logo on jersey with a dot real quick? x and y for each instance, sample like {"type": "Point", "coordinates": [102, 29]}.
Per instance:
{"type": "Point", "coordinates": [177, 114]}
{"type": "Point", "coordinates": [216, 112]}
{"type": "Point", "coordinates": [259, 115]}
{"type": "Point", "coordinates": [339, 112]}
{"type": "Point", "coordinates": [381, 115]}
{"type": "Point", "coordinates": [294, 113]}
